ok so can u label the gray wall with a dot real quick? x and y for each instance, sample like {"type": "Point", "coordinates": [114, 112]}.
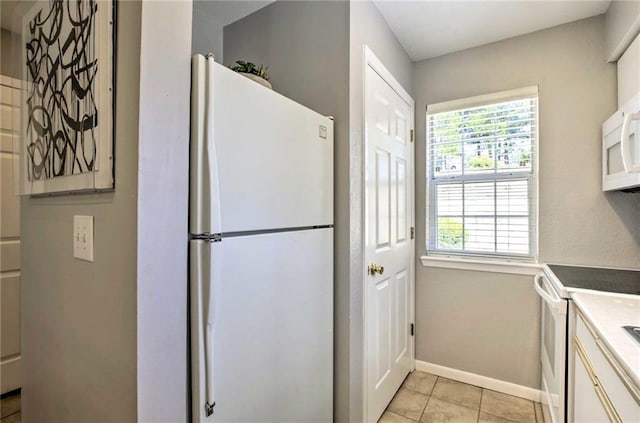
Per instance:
{"type": "Point", "coordinates": [578, 224]}
{"type": "Point", "coordinates": [479, 322]}
{"type": "Point", "coordinates": [79, 318]}
{"type": "Point", "coordinates": [305, 45]}
{"type": "Point", "coordinates": [162, 207]}
{"type": "Point", "coordinates": [622, 22]}
{"type": "Point", "coordinates": [207, 33]}
{"type": "Point", "coordinates": [9, 49]}
{"type": "Point", "coordinates": [367, 27]}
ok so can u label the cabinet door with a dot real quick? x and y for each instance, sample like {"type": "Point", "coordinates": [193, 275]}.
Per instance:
{"type": "Point", "coordinates": [587, 405]}
{"type": "Point", "coordinates": [629, 73]}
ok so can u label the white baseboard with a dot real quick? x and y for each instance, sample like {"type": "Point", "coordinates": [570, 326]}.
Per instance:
{"type": "Point", "coordinates": [481, 381]}
{"type": "Point", "coordinates": [10, 370]}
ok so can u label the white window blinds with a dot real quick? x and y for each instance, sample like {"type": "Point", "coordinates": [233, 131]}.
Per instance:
{"type": "Point", "coordinates": [481, 171]}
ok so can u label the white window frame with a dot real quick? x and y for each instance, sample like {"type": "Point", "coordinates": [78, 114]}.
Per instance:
{"type": "Point", "coordinates": [531, 176]}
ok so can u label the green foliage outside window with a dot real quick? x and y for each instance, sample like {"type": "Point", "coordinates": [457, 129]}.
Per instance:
{"type": "Point", "coordinates": [450, 235]}
{"type": "Point", "coordinates": [492, 129]}
{"type": "Point", "coordinates": [481, 162]}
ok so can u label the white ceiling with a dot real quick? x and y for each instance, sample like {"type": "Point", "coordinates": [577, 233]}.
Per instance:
{"type": "Point", "coordinates": [425, 28]}
{"type": "Point", "coordinates": [430, 28]}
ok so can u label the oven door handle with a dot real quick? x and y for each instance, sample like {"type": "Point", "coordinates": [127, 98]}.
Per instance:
{"type": "Point", "coordinates": [557, 304]}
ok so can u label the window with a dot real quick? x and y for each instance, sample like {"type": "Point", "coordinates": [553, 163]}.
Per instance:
{"type": "Point", "coordinates": [481, 175]}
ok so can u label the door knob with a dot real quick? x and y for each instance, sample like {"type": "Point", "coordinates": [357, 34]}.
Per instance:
{"type": "Point", "coordinates": [376, 268]}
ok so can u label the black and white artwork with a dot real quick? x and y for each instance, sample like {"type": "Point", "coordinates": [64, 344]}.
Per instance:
{"type": "Point", "coordinates": [68, 112]}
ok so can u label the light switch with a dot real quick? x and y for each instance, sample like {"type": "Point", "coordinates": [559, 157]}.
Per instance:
{"type": "Point", "coordinates": [83, 237]}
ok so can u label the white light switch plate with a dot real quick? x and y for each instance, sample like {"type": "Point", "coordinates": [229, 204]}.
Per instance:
{"type": "Point", "coordinates": [83, 237]}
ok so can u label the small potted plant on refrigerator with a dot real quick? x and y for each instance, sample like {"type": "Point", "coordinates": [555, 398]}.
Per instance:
{"type": "Point", "coordinates": [253, 72]}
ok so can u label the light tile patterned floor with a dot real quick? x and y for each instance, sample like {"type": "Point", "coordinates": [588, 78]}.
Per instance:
{"type": "Point", "coordinates": [427, 398]}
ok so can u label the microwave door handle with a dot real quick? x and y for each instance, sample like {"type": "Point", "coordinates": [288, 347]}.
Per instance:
{"type": "Point", "coordinates": [557, 304]}
{"type": "Point", "coordinates": [625, 146]}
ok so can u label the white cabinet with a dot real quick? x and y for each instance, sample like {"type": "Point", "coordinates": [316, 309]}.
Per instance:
{"type": "Point", "coordinates": [629, 73]}
{"type": "Point", "coordinates": [622, 24]}
{"type": "Point", "coordinates": [588, 407]}
{"type": "Point", "coordinates": [602, 391]}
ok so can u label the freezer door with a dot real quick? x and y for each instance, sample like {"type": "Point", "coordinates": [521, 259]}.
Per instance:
{"type": "Point", "coordinates": [271, 308]}
{"type": "Point", "coordinates": [266, 160]}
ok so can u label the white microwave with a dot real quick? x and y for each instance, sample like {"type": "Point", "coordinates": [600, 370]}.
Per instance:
{"type": "Point", "coordinates": [621, 148]}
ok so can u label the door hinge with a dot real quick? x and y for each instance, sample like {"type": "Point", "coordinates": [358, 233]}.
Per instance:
{"type": "Point", "coordinates": [411, 135]}
{"type": "Point", "coordinates": [412, 232]}
{"type": "Point", "coordinates": [207, 237]}
{"type": "Point", "coordinates": [411, 329]}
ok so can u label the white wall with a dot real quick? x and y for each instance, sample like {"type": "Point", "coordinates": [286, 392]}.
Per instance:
{"type": "Point", "coordinates": [578, 223]}
{"type": "Point", "coordinates": [163, 190]}
{"type": "Point", "coordinates": [366, 27]}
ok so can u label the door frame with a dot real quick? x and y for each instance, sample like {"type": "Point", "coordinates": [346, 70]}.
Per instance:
{"type": "Point", "coordinates": [372, 61]}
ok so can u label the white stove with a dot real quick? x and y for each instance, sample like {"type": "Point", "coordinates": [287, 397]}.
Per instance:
{"type": "Point", "coordinates": [558, 324]}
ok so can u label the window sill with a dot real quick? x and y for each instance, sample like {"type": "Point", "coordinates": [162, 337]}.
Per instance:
{"type": "Point", "coordinates": [493, 266]}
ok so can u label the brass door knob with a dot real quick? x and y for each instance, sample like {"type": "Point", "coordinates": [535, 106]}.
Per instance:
{"type": "Point", "coordinates": [376, 268]}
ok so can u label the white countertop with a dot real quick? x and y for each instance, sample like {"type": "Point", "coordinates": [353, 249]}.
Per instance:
{"type": "Point", "coordinates": [607, 313]}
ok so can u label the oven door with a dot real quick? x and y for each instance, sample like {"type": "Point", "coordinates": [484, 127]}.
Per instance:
{"type": "Point", "coordinates": [553, 353]}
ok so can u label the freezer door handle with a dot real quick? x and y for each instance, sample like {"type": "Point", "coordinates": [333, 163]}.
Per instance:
{"type": "Point", "coordinates": [204, 183]}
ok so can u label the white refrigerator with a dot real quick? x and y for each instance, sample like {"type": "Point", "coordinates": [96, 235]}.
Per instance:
{"type": "Point", "coordinates": [261, 253]}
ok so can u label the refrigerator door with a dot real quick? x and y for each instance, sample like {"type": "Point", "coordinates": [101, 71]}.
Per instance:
{"type": "Point", "coordinates": [259, 160]}
{"type": "Point", "coordinates": [271, 313]}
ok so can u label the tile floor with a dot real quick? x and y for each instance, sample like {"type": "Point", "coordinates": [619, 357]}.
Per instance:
{"type": "Point", "coordinates": [423, 397]}
{"type": "Point", "coordinates": [10, 408]}
{"type": "Point", "coordinates": [427, 398]}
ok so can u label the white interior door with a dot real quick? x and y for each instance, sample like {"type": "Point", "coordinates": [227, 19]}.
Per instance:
{"type": "Point", "coordinates": [388, 239]}
{"type": "Point", "coordinates": [10, 358]}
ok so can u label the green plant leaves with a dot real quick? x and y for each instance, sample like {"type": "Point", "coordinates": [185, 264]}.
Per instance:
{"type": "Point", "coordinates": [248, 67]}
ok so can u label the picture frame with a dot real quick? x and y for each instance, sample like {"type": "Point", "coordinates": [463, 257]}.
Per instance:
{"type": "Point", "coordinates": [68, 97]}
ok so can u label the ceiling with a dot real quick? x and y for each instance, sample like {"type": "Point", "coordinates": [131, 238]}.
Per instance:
{"type": "Point", "coordinates": [428, 28]}
{"type": "Point", "coordinates": [425, 28]}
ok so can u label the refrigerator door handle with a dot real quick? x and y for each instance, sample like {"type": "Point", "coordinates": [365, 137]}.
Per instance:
{"type": "Point", "coordinates": [210, 281]}
{"type": "Point", "coordinates": [208, 347]}
{"type": "Point", "coordinates": [203, 274]}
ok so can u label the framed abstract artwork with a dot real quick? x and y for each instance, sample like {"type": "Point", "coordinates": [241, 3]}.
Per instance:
{"type": "Point", "coordinates": [68, 91]}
